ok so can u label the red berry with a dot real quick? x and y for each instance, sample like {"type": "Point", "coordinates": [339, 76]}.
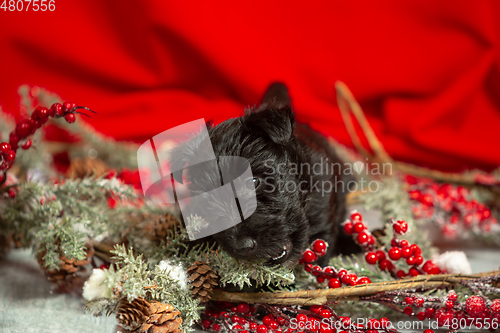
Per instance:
{"type": "Point", "coordinates": [428, 331]}
{"type": "Point", "coordinates": [452, 296]}
{"type": "Point", "coordinates": [373, 324]}
{"type": "Point", "coordinates": [356, 217]}
{"type": "Point", "coordinates": [309, 256]}
{"type": "Point", "coordinates": [358, 227]}
{"type": "Point", "coordinates": [273, 325]}
{"type": "Point", "coordinates": [217, 328]}
{"type": "Point", "coordinates": [386, 265]}
{"type": "Point", "coordinates": [253, 326]}
{"type": "Point", "coordinates": [345, 278]}
{"type": "Point", "coordinates": [320, 279]}
{"type": "Point", "coordinates": [409, 300]}
{"type": "Point", "coordinates": [316, 270]}
{"type": "Point", "coordinates": [449, 304]}
{"type": "Point", "coordinates": [242, 321]}
{"type": "Point", "coordinates": [243, 308]}
{"type": "Point", "coordinates": [326, 313]}
{"type": "Point", "coordinates": [319, 247]}
{"type": "Point", "coordinates": [411, 261]}
{"type": "Point", "coordinates": [431, 268]}
{"type": "Point", "coordinates": [24, 128]}
{"type": "Point", "coordinates": [418, 302]}
{"type": "Point", "coordinates": [235, 319]}
{"type": "Point", "coordinates": [41, 114]}
{"type": "Point", "coordinates": [429, 312]}
{"type": "Point", "coordinates": [371, 258]}
{"type": "Point", "coordinates": [495, 306]}
{"type": "Point", "coordinates": [12, 194]}
{"type": "Point", "coordinates": [348, 228]}
{"type": "Point", "coordinates": [443, 316]}
{"type": "Point", "coordinates": [363, 280]}
{"type": "Point", "coordinates": [301, 317]}
{"type": "Point", "coordinates": [406, 252]}
{"type": "Point", "coordinates": [13, 140]}
{"type": "Point", "coordinates": [70, 118]}
{"type": "Point", "coordinates": [403, 243]}
{"type": "Point", "coordinates": [426, 199]}
{"type": "Point", "coordinates": [421, 315]}
{"type": "Point", "coordinates": [394, 253]}
{"type": "Point", "coordinates": [281, 321]}
{"type": "Point", "coordinates": [328, 270]}
{"type": "Point", "coordinates": [408, 310]}
{"type": "Point", "coordinates": [413, 271]}
{"type": "Point", "coordinates": [237, 327]}
{"type": "Point", "coordinates": [56, 110]}
{"type": "Point", "coordinates": [475, 305]}
{"type": "Point", "coordinates": [27, 144]}
{"type": "Point", "coordinates": [234, 309]}
{"type": "Point", "coordinates": [380, 255]}
{"type": "Point", "coordinates": [400, 227]}
{"type": "Point", "coordinates": [334, 283]}
{"type": "Point", "coordinates": [316, 308]}
{"type": "Point", "coordinates": [206, 324]}
{"type": "Point", "coordinates": [267, 319]}
{"type": "Point", "coordinates": [362, 238]}
{"type": "Point", "coordinates": [68, 107]}
{"type": "Point", "coordinates": [416, 249]}
{"type": "Point", "coordinates": [400, 274]}
{"type": "Point", "coordinates": [419, 260]}
{"type": "Point", "coordinates": [10, 156]}
{"type": "Point", "coordinates": [341, 273]}
{"type": "Point", "coordinates": [4, 147]}
{"type": "Point", "coordinates": [371, 240]}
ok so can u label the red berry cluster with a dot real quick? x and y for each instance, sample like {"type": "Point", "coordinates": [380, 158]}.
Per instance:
{"type": "Point", "coordinates": [400, 249]}
{"type": "Point", "coordinates": [335, 278]}
{"type": "Point", "coordinates": [448, 312]}
{"type": "Point", "coordinates": [244, 318]}
{"type": "Point", "coordinates": [19, 137]}
{"type": "Point", "coordinates": [450, 207]}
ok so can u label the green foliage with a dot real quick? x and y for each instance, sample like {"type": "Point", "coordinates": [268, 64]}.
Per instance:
{"type": "Point", "coordinates": [50, 216]}
{"type": "Point", "coordinates": [133, 277]}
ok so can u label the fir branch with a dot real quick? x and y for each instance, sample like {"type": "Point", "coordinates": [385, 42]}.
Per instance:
{"type": "Point", "coordinates": [132, 277]}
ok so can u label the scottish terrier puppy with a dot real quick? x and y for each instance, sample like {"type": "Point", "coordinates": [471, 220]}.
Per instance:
{"type": "Point", "coordinates": [297, 180]}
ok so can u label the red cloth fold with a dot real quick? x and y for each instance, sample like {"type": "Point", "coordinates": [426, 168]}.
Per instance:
{"type": "Point", "coordinates": [425, 72]}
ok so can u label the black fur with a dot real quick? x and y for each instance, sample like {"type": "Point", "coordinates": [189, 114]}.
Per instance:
{"type": "Point", "coordinates": [285, 219]}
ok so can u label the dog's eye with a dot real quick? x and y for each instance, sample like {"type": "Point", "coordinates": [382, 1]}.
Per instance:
{"type": "Point", "coordinates": [252, 183]}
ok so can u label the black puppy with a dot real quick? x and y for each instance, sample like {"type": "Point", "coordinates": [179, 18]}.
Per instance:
{"type": "Point", "coordinates": [297, 179]}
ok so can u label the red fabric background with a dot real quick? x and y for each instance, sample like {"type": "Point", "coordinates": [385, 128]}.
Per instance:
{"type": "Point", "coordinates": [425, 72]}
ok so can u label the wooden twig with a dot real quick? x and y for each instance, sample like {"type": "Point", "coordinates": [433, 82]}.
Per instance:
{"type": "Point", "coordinates": [322, 296]}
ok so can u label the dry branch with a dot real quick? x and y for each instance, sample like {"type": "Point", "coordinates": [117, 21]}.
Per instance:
{"type": "Point", "coordinates": [322, 296]}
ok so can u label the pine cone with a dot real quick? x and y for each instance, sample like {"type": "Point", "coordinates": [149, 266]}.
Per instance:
{"type": "Point", "coordinates": [69, 268]}
{"type": "Point", "coordinates": [132, 315]}
{"type": "Point", "coordinates": [81, 168]}
{"type": "Point", "coordinates": [141, 316]}
{"type": "Point", "coordinates": [158, 230]}
{"type": "Point", "coordinates": [163, 319]}
{"type": "Point", "coordinates": [203, 280]}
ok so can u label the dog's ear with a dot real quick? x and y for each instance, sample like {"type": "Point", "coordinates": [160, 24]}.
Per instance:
{"type": "Point", "coordinates": [277, 93]}
{"type": "Point", "coordinates": [277, 121]}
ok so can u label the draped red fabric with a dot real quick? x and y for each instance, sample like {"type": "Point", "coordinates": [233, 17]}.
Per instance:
{"type": "Point", "coordinates": [425, 72]}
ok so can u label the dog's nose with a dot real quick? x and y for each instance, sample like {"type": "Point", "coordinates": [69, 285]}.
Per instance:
{"type": "Point", "coordinates": [245, 246]}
